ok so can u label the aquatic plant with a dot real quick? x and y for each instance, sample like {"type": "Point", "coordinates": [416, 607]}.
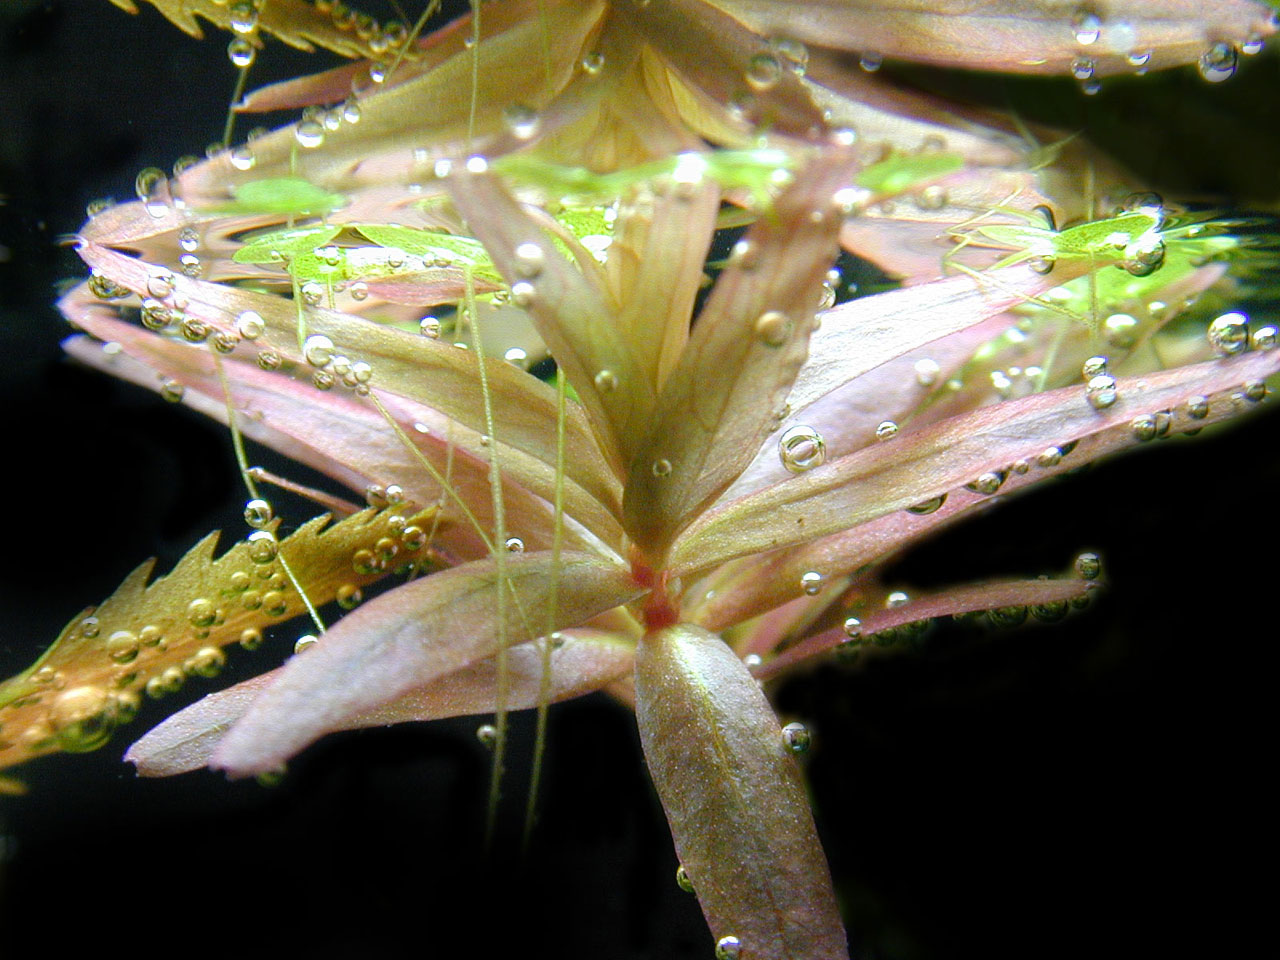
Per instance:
{"type": "Point", "coordinates": [687, 506]}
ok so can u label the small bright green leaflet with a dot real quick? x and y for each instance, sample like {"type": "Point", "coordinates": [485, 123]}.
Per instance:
{"type": "Point", "coordinates": [282, 245]}
{"type": "Point", "coordinates": [287, 195]}
{"type": "Point", "coordinates": [902, 171]}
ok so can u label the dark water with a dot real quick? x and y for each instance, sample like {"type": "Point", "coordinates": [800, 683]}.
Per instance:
{"type": "Point", "coordinates": [1089, 789]}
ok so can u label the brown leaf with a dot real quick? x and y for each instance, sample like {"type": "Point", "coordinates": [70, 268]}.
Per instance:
{"type": "Point", "coordinates": [733, 796]}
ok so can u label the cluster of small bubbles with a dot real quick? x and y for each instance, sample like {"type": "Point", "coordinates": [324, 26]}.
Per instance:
{"type": "Point", "coordinates": [514, 545]}
{"type": "Point", "coordinates": [1218, 63]}
{"type": "Point", "coordinates": [1120, 330]}
{"type": "Point", "coordinates": [1229, 334]}
{"type": "Point", "coordinates": [1264, 338]}
{"type": "Point", "coordinates": [682, 879]}
{"type": "Point", "coordinates": [487, 734]}
{"type": "Point", "coordinates": [194, 330]}
{"type": "Point", "coordinates": [797, 738]}
{"type": "Point", "coordinates": [429, 327]}
{"type": "Point", "coordinates": [241, 157]}
{"type": "Point", "coordinates": [592, 63]}
{"type": "Point", "coordinates": [1087, 27]}
{"type": "Point", "coordinates": [305, 643]}
{"type": "Point", "coordinates": [1088, 566]}
{"type": "Point", "coordinates": [1255, 390]}
{"type": "Point", "coordinates": [205, 662]}
{"type": "Point", "coordinates": [172, 391]}
{"type": "Point", "coordinates": [1010, 616]}
{"type": "Point", "coordinates": [606, 381]}
{"type": "Point", "coordinates": [801, 448]}
{"type": "Point", "coordinates": [169, 680]}
{"type": "Point", "coordinates": [897, 598]}
{"type": "Point", "coordinates": [811, 582]}
{"type": "Point", "coordinates": [870, 62]}
{"type": "Point", "coordinates": [661, 468]}
{"type": "Point", "coordinates": [270, 359]}
{"type": "Point", "coordinates": [349, 596]}
{"type": "Point", "coordinates": [886, 430]}
{"type": "Point", "coordinates": [122, 646]}
{"type": "Point", "coordinates": [263, 546]}
{"type": "Point", "coordinates": [241, 52]}
{"type": "Point", "coordinates": [1100, 391]}
{"type": "Point", "coordinates": [764, 70]}
{"type": "Point", "coordinates": [932, 505]}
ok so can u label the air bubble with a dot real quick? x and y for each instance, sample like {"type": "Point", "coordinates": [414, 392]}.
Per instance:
{"type": "Point", "coordinates": [172, 391]}
{"type": "Point", "coordinates": [263, 546]}
{"type": "Point", "coordinates": [529, 260]}
{"type": "Point", "coordinates": [763, 72]}
{"type": "Point", "coordinates": [206, 662]}
{"type": "Point", "coordinates": [661, 468]}
{"type": "Point", "coordinates": [870, 62]}
{"type": "Point", "coordinates": [932, 505]}
{"type": "Point", "coordinates": [201, 613]}
{"type": "Point", "coordinates": [1218, 63]}
{"type": "Point", "coordinates": [487, 734]}
{"type": "Point", "coordinates": [1264, 338]}
{"type": "Point", "coordinates": [250, 325]}
{"type": "Point", "coordinates": [1144, 428]}
{"type": "Point", "coordinates": [797, 738]}
{"type": "Point", "coordinates": [897, 598]}
{"type": "Point", "coordinates": [241, 52]}
{"type": "Point", "coordinates": [122, 646]}
{"type": "Point", "coordinates": [606, 381]}
{"type": "Point", "coordinates": [1093, 367]}
{"type": "Point", "coordinates": [318, 350]}
{"type": "Point", "coordinates": [522, 294]}
{"type": "Point", "coordinates": [1229, 334]}
{"type": "Point", "coordinates": [1082, 68]}
{"type": "Point", "coordinates": [853, 628]}
{"type": "Point", "coordinates": [1087, 27]}
{"type": "Point", "coordinates": [886, 430]}
{"type": "Point", "coordinates": [514, 545]}
{"type": "Point", "coordinates": [521, 120]}
{"type": "Point", "coordinates": [309, 134]}
{"type": "Point", "coordinates": [152, 188]}
{"type": "Point", "coordinates": [773, 327]}
{"type": "Point", "coordinates": [305, 643]}
{"type": "Point", "coordinates": [801, 448]}
{"type": "Point", "coordinates": [811, 582]}
{"type": "Point", "coordinates": [592, 64]}
{"type": "Point", "coordinates": [1088, 566]}
{"type": "Point", "coordinates": [682, 880]}
{"type": "Point", "coordinates": [1101, 391]}
{"type": "Point", "coordinates": [242, 157]}
{"type": "Point", "coordinates": [258, 513]}
{"type": "Point", "coordinates": [429, 327]}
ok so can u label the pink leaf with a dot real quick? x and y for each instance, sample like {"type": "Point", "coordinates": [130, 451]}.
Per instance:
{"type": "Point", "coordinates": [733, 796]}
{"type": "Point", "coordinates": [586, 661]}
{"type": "Point", "coordinates": [414, 635]}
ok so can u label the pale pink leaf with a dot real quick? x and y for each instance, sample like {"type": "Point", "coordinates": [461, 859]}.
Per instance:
{"type": "Point", "coordinates": [738, 810]}
{"type": "Point", "coordinates": [587, 660]}
{"type": "Point", "coordinates": [941, 457]}
{"type": "Point", "coordinates": [411, 636]}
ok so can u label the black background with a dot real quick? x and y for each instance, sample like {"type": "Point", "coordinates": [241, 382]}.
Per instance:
{"type": "Point", "coordinates": [1094, 788]}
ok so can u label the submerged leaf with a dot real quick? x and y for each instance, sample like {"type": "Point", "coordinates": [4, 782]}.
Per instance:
{"type": "Point", "coordinates": [152, 637]}
{"type": "Point", "coordinates": [412, 636]}
{"type": "Point", "coordinates": [734, 799]}
{"type": "Point", "coordinates": [585, 660]}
